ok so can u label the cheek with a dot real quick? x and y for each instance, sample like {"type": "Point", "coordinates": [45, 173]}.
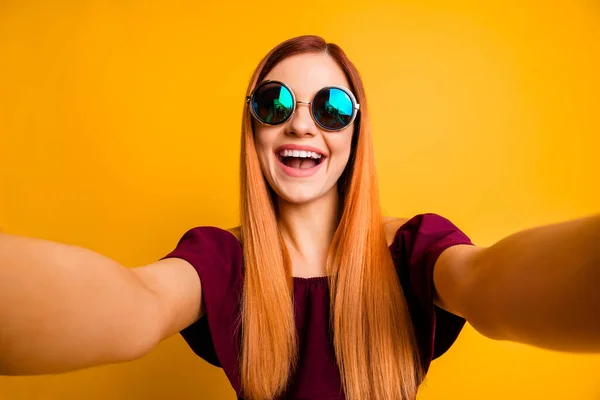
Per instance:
{"type": "Point", "coordinates": [341, 146]}
{"type": "Point", "coordinates": [263, 141]}
{"type": "Point", "coordinates": [260, 139]}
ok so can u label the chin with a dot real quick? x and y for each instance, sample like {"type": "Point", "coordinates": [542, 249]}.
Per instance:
{"type": "Point", "coordinates": [296, 196]}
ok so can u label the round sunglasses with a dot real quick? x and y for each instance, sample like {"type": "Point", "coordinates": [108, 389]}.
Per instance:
{"type": "Point", "coordinates": [333, 108]}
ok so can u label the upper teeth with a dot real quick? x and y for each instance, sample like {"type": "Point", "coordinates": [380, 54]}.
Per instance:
{"type": "Point", "coordinates": [299, 153]}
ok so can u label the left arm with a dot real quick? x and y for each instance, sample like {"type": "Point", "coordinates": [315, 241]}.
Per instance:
{"type": "Point", "coordinates": [540, 286]}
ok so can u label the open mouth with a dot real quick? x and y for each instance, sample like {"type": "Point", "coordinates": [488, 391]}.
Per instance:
{"type": "Point", "coordinates": [300, 159]}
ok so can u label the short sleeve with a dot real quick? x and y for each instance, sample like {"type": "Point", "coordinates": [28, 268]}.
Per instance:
{"type": "Point", "coordinates": [216, 256]}
{"type": "Point", "coordinates": [416, 248]}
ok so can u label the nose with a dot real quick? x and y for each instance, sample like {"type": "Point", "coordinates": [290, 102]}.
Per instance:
{"type": "Point", "coordinates": [301, 123]}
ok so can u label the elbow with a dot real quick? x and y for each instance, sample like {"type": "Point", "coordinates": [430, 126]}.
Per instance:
{"type": "Point", "coordinates": [136, 347]}
{"type": "Point", "coordinates": [141, 339]}
{"type": "Point", "coordinates": [480, 304]}
{"type": "Point", "coordinates": [482, 315]}
{"type": "Point", "coordinates": [481, 318]}
{"type": "Point", "coordinates": [4, 367]}
{"type": "Point", "coordinates": [487, 328]}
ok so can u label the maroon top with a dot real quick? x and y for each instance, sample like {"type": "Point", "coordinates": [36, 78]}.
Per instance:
{"type": "Point", "coordinates": [216, 255]}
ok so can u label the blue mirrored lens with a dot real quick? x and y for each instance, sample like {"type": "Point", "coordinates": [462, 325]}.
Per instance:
{"type": "Point", "coordinates": [333, 108]}
{"type": "Point", "coordinates": [273, 103]}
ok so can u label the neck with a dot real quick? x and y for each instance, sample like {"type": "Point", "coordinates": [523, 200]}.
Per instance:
{"type": "Point", "coordinates": [308, 229]}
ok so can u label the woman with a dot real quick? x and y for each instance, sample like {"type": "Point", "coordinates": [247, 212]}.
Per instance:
{"type": "Point", "coordinates": [316, 295]}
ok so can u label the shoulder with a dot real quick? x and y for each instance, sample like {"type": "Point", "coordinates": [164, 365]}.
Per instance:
{"type": "Point", "coordinates": [208, 240]}
{"type": "Point", "coordinates": [391, 225]}
{"type": "Point", "coordinates": [236, 231]}
{"type": "Point", "coordinates": [438, 257]}
{"type": "Point", "coordinates": [427, 225]}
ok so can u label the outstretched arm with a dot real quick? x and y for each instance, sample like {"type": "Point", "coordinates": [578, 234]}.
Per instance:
{"type": "Point", "coordinates": [540, 286]}
{"type": "Point", "coordinates": [63, 307]}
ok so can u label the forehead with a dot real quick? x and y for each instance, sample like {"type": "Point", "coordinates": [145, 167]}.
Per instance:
{"type": "Point", "coordinates": [307, 73]}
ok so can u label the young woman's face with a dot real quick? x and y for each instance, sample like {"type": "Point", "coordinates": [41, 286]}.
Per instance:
{"type": "Point", "coordinates": [303, 179]}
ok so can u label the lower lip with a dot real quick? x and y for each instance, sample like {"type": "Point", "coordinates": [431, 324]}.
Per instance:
{"type": "Point", "coordinates": [297, 172]}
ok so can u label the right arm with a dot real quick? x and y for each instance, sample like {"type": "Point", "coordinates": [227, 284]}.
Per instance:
{"type": "Point", "coordinates": [64, 307]}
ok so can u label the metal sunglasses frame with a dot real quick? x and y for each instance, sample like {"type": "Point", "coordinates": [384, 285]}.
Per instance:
{"type": "Point", "coordinates": [355, 108]}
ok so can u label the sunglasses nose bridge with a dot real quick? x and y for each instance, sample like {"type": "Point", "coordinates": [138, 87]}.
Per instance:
{"type": "Point", "coordinates": [301, 122]}
{"type": "Point", "coordinates": [306, 103]}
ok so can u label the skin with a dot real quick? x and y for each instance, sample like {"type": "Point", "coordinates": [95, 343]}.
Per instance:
{"type": "Point", "coordinates": [308, 206]}
{"type": "Point", "coordinates": [492, 287]}
{"type": "Point", "coordinates": [531, 287]}
{"type": "Point", "coordinates": [161, 298]}
{"type": "Point", "coordinates": [537, 286]}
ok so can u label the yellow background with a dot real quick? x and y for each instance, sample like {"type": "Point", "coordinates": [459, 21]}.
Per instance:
{"type": "Point", "coordinates": [119, 130]}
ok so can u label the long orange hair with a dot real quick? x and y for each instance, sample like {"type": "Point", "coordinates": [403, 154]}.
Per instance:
{"type": "Point", "coordinates": [373, 337]}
